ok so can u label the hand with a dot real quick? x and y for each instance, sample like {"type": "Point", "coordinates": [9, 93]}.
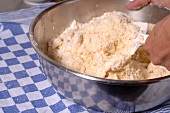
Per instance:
{"type": "Point", "coordinates": [158, 43]}
{"type": "Point", "coordinates": [137, 4]}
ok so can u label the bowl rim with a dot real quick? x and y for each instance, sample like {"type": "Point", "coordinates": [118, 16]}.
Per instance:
{"type": "Point", "coordinates": [79, 74]}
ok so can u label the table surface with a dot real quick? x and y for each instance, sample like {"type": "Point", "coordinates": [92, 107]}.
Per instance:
{"type": "Point", "coordinates": [13, 5]}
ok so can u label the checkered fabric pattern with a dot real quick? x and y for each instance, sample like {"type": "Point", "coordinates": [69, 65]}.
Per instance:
{"type": "Point", "coordinates": [23, 85]}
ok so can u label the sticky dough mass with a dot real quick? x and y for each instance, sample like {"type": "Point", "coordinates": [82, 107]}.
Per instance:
{"type": "Point", "coordinates": [102, 48]}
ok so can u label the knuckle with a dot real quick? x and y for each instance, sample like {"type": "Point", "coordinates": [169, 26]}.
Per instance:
{"type": "Point", "coordinates": [156, 60]}
{"type": "Point", "coordinates": [166, 64]}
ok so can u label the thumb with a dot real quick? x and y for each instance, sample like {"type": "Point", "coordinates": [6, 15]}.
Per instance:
{"type": "Point", "coordinates": [137, 4]}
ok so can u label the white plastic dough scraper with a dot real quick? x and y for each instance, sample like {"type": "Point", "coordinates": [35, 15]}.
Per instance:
{"type": "Point", "coordinates": [142, 36]}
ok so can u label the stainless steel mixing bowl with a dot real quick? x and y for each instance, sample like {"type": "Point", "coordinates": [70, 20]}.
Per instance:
{"type": "Point", "coordinates": [96, 93]}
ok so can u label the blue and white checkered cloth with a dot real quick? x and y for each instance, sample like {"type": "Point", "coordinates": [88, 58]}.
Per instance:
{"type": "Point", "coordinates": [23, 86]}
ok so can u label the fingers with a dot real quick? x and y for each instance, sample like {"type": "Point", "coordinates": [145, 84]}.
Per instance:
{"type": "Point", "coordinates": [152, 45]}
{"type": "Point", "coordinates": [137, 4]}
{"type": "Point", "coordinates": [156, 59]}
{"type": "Point", "coordinates": [157, 44]}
